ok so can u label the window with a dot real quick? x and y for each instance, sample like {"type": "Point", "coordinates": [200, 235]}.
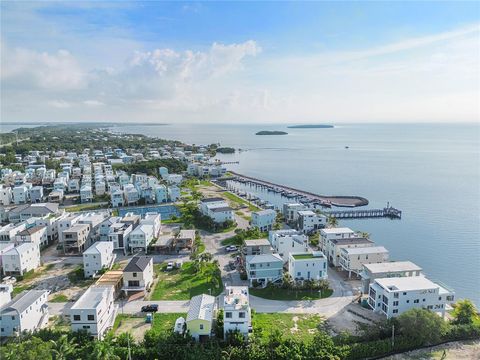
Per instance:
{"type": "Point", "coordinates": [91, 317]}
{"type": "Point", "coordinates": [423, 300]}
{"type": "Point", "coordinates": [395, 303]}
{"type": "Point", "coordinates": [416, 301]}
{"type": "Point", "coordinates": [3, 329]}
{"type": "Point", "coordinates": [241, 315]}
{"type": "Point", "coordinates": [299, 274]}
{"type": "Point", "coordinates": [13, 317]}
{"type": "Point", "coordinates": [76, 317]}
{"type": "Point", "coordinates": [404, 293]}
{"type": "Point", "coordinates": [201, 326]}
{"type": "Point", "coordinates": [134, 274]}
{"type": "Point", "coordinates": [395, 311]}
{"type": "Point", "coordinates": [408, 301]}
{"type": "Point", "coordinates": [439, 298]}
{"type": "Point", "coordinates": [86, 326]}
{"type": "Point", "coordinates": [228, 315]}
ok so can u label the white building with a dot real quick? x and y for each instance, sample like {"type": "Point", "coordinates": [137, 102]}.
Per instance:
{"type": "Point", "coordinates": [138, 275]}
{"type": "Point", "coordinates": [308, 265]}
{"type": "Point", "coordinates": [35, 234]}
{"type": "Point", "coordinates": [141, 237]}
{"type": "Point", "coordinates": [119, 235]}
{"type": "Point", "coordinates": [288, 241]}
{"type": "Point", "coordinates": [97, 257]}
{"type": "Point", "coordinates": [116, 197]}
{"type": "Point", "coordinates": [328, 234]}
{"type": "Point", "coordinates": [86, 194]}
{"type": "Point", "coordinates": [335, 246]}
{"type": "Point", "coordinates": [104, 227]}
{"type": "Point", "coordinates": [308, 222]}
{"type": "Point", "coordinates": [173, 193]}
{"type": "Point", "coordinates": [94, 311]}
{"type": "Point", "coordinates": [388, 269]}
{"type": "Point", "coordinates": [132, 195]}
{"type": "Point", "coordinates": [264, 268]}
{"type": "Point", "coordinates": [161, 195]}
{"type": "Point", "coordinates": [154, 219]}
{"type": "Point", "coordinates": [5, 294]}
{"type": "Point", "coordinates": [217, 209]}
{"type": "Point", "coordinates": [21, 259]}
{"type": "Point", "coordinates": [27, 312]}
{"type": "Point", "coordinates": [6, 197]}
{"type": "Point", "coordinates": [21, 193]}
{"type": "Point", "coordinates": [394, 296]}
{"type": "Point", "coordinates": [8, 232]}
{"type": "Point", "coordinates": [236, 311]}
{"type": "Point", "coordinates": [352, 259]}
{"type": "Point", "coordinates": [264, 219]}
{"type": "Point", "coordinates": [290, 211]}
{"type": "Point", "coordinates": [73, 185]}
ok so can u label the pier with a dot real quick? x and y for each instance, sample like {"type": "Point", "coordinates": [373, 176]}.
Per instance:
{"type": "Point", "coordinates": [300, 195]}
{"type": "Point", "coordinates": [388, 212]}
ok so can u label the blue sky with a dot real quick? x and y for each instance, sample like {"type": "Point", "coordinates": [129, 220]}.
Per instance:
{"type": "Point", "coordinates": [240, 61]}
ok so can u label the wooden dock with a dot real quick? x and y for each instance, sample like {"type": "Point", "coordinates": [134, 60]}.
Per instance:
{"type": "Point", "coordinates": [388, 212]}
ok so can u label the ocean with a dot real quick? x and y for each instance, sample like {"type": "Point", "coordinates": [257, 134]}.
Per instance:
{"type": "Point", "coordinates": [429, 171]}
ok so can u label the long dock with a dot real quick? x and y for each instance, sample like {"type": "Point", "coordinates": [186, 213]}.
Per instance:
{"type": "Point", "coordinates": [388, 212]}
{"type": "Point", "coordinates": [305, 196]}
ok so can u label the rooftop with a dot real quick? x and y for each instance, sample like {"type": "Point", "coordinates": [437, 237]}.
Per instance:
{"type": "Point", "coordinates": [309, 255]}
{"type": "Point", "coordinates": [138, 263]}
{"type": "Point", "coordinates": [392, 266]}
{"type": "Point", "coordinates": [343, 230]}
{"type": "Point", "coordinates": [201, 307]}
{"type": "Point", "coordinates": [263, 258]}
{"type": "Point", "coordinates": [111, 277]}
{"type": "Point", "coordinates": [31, 230]}
{"type": "Point", "coordinates": [236, 296]}
{"type": "Point", "coordinates": [22, 301]}
{"type": "Point", "coordinates": [98, 247]}
{"type": "Point", "coordinates": [306, 213]}
{"type": "Point", "coordinates": [265, 212]}
{"type": "Point", "coordinates": [213, 199]}
{"type": "Point", "coordinates": [257, 242]}
{"type": "Point", "coordinates": [365, 250]}
{"type": "Point", "coordinates": [409, 283]}
{"type": "Point", "coordinates": [352, 240]}
{"type": "Point", "coordinates": [222, 208]}
{"type": "Point", "coordinates": [92, 297]}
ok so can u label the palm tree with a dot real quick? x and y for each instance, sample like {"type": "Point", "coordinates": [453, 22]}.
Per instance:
{"type": "Point", "coordinates": [104, 350]}
{"type": "Point", "coordinates": [287, 280]}
{"type": "Point", "coordinates": [63, 347]}
{"type": "Point", "coordinates": [206, 257]}
{"type": "Point", "coordinates": [332, 221]}
{"type": "Point", "coordinates": [365, 235]}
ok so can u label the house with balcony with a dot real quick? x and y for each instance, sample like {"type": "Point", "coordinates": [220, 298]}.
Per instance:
{"type": "Point", "coordinates": [309, 222]}
{"type": "Point", "coordinates": [353, 259]}
{"type": "Point", "coordinates": [311, 265]}
{"type": "Point", "coordinates": [290, 212]}
{"type": "Point", "coordinates": [119, 235]}
{"type": "Point", "coordinates": [264, 219]}
{"type": "Point", "coordinates": [21, 193]}
{"type": "Point", "coordinates": [328, 234]}
{"type": "Point", "coordinates": [264, 268]}
{"type": "Point", "coordinates": [138, 275]}
{"type": "Point", "coordinates": [27, 312]}
{"type": "Point", "coordinates": [161, 195]}
{"type": "Point", "coordinates": [393, 296]}
{"type": "Point", "coordinates": [236, 311]}
{"type": "Point", "coordinates": [141, 237]}
{"type": "Point", "coordinates": [388, 269]}
{"type": "Point", "coordinates": [5, 294]}
{"type": "Point", "coordinates": [98, 257]}
{"type": "Point", "coordinates": [6, 196]}
{"type": "Point", "coordinates": [36, 194]}
{"type": "Point", "coordinates": [288, 241]}
{"type": "Point", "coordinates": [94, 311]}
{"type": "Point", "coordinates": [257, 247]}
{"type": "Point", "coordinates": [104, 228]}
{"type": "Point", "coordinates": [75, 239]}
{"type": "Point", "coordinates": [217, 209]}
{"type": "Point", "coordinates": [35, 234]}
{"type": "Point", "coordinates": [335, 246]}
{"type": "Point", "coordinates": [132, 196]}
{"type": "Point", "coordinates": [173, 193]}
{"type": "Point", "coordinates": [86, 194]}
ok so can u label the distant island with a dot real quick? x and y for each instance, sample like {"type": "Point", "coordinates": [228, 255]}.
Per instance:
{"type": "Point", "coordinates": [310, 126]}
{"type": "Point", "coordinates": [225, 150]}
{"type": "Point", "coordinates": [267, 132]}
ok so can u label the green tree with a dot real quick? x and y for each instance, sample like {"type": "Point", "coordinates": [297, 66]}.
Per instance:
{"type": "Point", "coordinates": [423, 325]}
{"type": "Point", "coordinates": [465, 312]}
{"type": "Point", "coordinates": [63, 347]}
{"type": "Point", "coordinates": [332, 221]}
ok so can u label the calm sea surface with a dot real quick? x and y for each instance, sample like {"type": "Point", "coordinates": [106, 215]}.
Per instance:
{"type": "Point", "coordinates": [430, 172]}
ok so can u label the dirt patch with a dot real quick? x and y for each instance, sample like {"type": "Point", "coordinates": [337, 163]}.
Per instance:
{"type": "Point", "coordinates": [294, 329]}
{"type": "Point", "coordinates": [135, 326]}
{"type": "Point", "coordinates": [467, 350]}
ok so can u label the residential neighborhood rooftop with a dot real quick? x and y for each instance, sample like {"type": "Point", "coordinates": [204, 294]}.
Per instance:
{"type": "Point", "coordinates": [138, 263]}
{"type": "Point", "coordinates": [365, 250]}
{"type": "Point", "coordinates": [409, 283]}
{"type": "Point", "coordinates": [22, 301]}
{"type": "Point", "coordinates": [392, 266]}
{"type": "Point", "coordinates": [201, 307]}
{"type": "Point", "coordinates": [257, 242]}
{"type": "Point", "coordinates": [92, 297]}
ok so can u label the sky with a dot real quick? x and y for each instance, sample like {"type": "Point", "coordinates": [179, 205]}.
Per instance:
{"type": "Point", "coordinates": [240, 62]}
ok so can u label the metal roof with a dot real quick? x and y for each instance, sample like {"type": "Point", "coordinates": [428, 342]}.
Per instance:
{"type": "Point", "coordinates": [201, 308]}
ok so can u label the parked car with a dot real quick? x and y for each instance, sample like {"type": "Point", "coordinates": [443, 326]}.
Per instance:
{"type": "Point", "coordinates": [150, 308]}
{"type": "Point", "coordinates": [231, 248]}
{"type": "Point", "coordinates": [232, 266]}
{"type": "Point", "coordinates": [169, 266]}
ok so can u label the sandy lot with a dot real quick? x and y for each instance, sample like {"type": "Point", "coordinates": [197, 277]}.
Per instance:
{"type": "Point", "coordinates": [468, 350]}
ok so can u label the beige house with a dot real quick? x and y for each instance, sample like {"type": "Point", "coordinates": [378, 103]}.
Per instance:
{"type": "Point", "coordinates": [138, 275]}
{"type": "Point", "coordinates": [75, 238]}
{"type": "Point", "coordinates": [353, 259]}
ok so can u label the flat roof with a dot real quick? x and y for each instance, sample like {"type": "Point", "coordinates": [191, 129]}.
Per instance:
{"type": "Point", "coordinates": [306, 212]}
{"type": "Point", "coordinates": [31, 230]}
{"type": "Point", "coordinates": [213, 199]}
{"type": "Point", "coordinates": [352, 240]}
{"type": "Point", "coordinates": [257, 242]}
{"type": "Point", "coordinates": [222, 208]}
{"type": "Point", "coordinates": [392, 266]}
{"type": "Point", "coordinates": [365, 250]}
{"type": "Point", "coordinates": [92, 297]}
{"type": "Point", "coordinates": [408, 283]}
{"type": "Point", "coordinates": [265, 212]}
{"type": "Point", "coordinates": [342, 230]}
{"type": "Point", "coordinates": [255, 259]}
{"type": "Point", "coordinates": [309, 255]}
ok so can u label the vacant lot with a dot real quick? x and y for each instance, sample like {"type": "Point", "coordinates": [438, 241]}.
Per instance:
{"type": "Point", "coordinates": [295, 325]}
{"type": "Point", "coordinates": [137, 326]}
{"type": "Point", "coordinates": [274, 293]}
{"type": "Point", "coordinates": [182, 284]}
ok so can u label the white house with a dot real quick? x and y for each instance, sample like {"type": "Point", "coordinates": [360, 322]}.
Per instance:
{"type": "Point", "coordinates": [288, 241]}
{"type": "Point", "coordinates": [264, 268]}
{"type": "Point", "coordinates": [132, 195]}
{"type": "Point", "coordinates": [5, 294]}
{"type": "Point", "coordinates": [335, 246]}
{"type": "Point", "coordinates": [217, 209]}
{"type": "Point", "coordinates": [352, 259]}
{"type": "Point", "coordinates": [200, 316]}
{"type": "Point", "coordinates": [100, 188]}
{"type": "Point", "coordinates": [264, 219]}
{"type": "Point", "coordinates": [308, 222]}
{"type": "Point", "coordinates": [257, 247]}
{"type": "Point", "coordinates": [116, 197]}
{"type": "Point", "coordinates": [388, 269]}
{"type": "Point", "coordinates": [154, 219]}
{"type": "Point", "coordinates": [141, 237]}
{"type": "Point", "coordinates": [27, 312]}
{"type": "Point", "coordinates": [161, 195]}
{"type": "Point", "coordinates": [27, 211]}
{"type": "Point", "coordinates": [394, 296]}
{"type": "Point", "coordinates": [290, 211]}
{"type": "Point", "coordinates": [8, 232]}
{"type": "Point", "coordinates": [21, 193]}
{"type": "Point", "coordinates": [119, 235]}
{"type": "Point", "coordinates": [94, 311]}
{"type": "Point", "coordinates": [86, 194]}
{"type": "Point", "coordinates": [97, 257]}
{"type": "Point", "coordinates": [73, 185]}
{"type": "Point", "coordinates": [329, 234]}
{"type": "Point", "coordinates": [35, 234]}
{"type": "Point", "coordinates": [236, 311]}
{"type": "Point", "coordinates": [21, 259]}
{"type": "Point", "coordinates": [6, 197]}
{"type": "Point", "coordinates": [138, 275]}
{"type": "Point", "coordinates": [36, 194]}
{"type": "Point", "coordinates": [104, 227]}
{"type": "Point", "coordinates": [308, 265]}
{"type": "Point", "coordinates": [173, 193]}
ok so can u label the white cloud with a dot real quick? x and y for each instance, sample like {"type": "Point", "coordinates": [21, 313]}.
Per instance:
{"type": "Point", "coordinates": [59, 104]}
{"type": "Point", "coordinates": [93, 103]}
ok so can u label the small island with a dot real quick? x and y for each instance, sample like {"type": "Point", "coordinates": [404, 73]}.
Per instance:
{"type": "Point", "coordinates": [268, 132]}
{"type": "Point", "coordinates": [310, 126]}
{"type": "Point", "coordinates": [225, 150]}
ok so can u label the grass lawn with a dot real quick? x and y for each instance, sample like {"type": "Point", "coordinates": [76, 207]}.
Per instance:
{"type": "Point", "coordinates": [18, 289]}
{"type": "Point", "coordinates": [182, 284]}
{"type": "Point", "coordinates": [59, 298]}
{"type": "Point", "coordinates": [240, 201]}
{"type": "Point", "coordinates": [77, 278]}
{"type": "Point", "coordinates": [165, 322]}
{"type": "Point", "coordinates": [295, 325]}
{"type": "Point", "coordinates": [120, 318]}
{"type": "Point", "coordinates": [89, 206]}
{"type": "Point", "coordinates": [274, 293]}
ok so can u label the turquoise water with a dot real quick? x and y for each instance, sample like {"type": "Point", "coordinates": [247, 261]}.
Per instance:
{"type": "Point", "coordinates": [430, 172]}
